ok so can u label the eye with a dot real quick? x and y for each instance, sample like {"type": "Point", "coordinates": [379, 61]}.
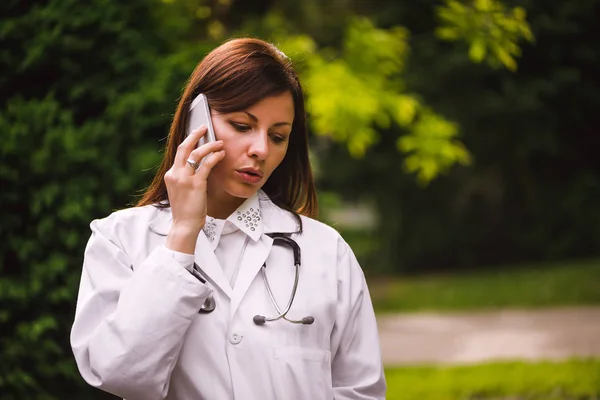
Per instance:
{"type": "Point", "coordinates": [240, 127]}
{"type": "Point", "coordinates": [277, 139]}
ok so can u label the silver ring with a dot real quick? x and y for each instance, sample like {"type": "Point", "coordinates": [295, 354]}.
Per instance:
{"type": "Point", "coordinates": [193, 164]}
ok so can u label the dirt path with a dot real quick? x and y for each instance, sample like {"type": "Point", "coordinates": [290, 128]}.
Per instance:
{"type": "Point", "coordinates": [484, 336]}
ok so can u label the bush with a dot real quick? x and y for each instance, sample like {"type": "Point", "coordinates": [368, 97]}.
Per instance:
{"type": "Point", "coordinates": [85, 95]}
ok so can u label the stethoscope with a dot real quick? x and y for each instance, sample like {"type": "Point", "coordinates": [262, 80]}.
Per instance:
{"type": "Point", "coordinates": [278, 239]}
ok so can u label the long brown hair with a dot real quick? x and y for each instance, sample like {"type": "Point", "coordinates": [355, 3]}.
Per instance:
{"type": "Point", "coordinates": [235, 76]}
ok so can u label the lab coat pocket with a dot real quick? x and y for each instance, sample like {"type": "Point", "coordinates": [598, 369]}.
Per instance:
{"type": "Point", "coordinates": [304, 373]}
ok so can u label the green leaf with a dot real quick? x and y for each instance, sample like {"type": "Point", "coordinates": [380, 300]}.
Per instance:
{"type": "Point", "coordinates": [447, 33]}
{"type": "Point", "coordinates": [477, 50]}
{"type": "Point", "coordinates": [506, 59]}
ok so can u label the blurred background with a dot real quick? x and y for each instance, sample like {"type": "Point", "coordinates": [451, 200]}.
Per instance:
{"type": "Point", "coordinates": [455, 143]}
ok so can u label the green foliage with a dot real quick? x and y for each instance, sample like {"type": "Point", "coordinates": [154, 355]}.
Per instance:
{"type": "Point", "coordinates": [354, 93]}
{"type": "Point", "coordinates": [492, 31]}
{"type": "Point", "coordinates": [85, 97]}
{"type": "Point", "coordinates": [350, 90]}
{"type": "Point", "coordinates": [431, 147]}
{"type": "Point", "coordinates": [531, 190]}
{"type": "Point", "coordinates": [517, 286]}
{"type": "Point", "coordinates": [567, 380]}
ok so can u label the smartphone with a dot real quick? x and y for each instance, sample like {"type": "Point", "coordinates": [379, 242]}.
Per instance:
{"type": "Point", "coordinates": [200, 115]}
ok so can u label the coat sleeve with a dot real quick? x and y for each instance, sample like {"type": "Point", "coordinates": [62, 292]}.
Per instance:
{"type": "Point", "coordinates": [357, 369]}
{"type": "Point", "coordinates": [130, 322]}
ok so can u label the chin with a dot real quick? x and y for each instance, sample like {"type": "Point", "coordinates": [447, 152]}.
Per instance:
{"type": "Point", "coordinates": [243, 191]}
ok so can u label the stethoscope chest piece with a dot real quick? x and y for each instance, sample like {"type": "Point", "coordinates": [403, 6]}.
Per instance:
{"type": "Point", "coordinates": [208, 306]}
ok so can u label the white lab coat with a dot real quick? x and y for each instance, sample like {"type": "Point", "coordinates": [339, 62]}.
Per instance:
{"type": "Point", "coordinates": [138, 334]}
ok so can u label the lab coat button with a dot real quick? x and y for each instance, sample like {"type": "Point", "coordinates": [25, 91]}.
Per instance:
{"type": "Point", "coordinates": [235, 338]}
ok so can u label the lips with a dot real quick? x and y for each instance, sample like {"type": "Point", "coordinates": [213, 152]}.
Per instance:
{"type": "Point", "coordinates": [251, 171]}
{"type": "Point", "coordinates": [250, 175]}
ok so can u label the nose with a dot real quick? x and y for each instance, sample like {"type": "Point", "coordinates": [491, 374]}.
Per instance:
{"type": "Point", "coordinates": [259, 145]}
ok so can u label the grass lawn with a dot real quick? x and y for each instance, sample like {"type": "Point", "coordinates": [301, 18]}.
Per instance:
{"type": "Point", "coordinates": [569, 380]}
{"type": "Point", "coordinates": [537, 285]}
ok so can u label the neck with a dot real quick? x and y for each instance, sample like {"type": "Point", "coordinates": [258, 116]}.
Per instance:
{"type": "Point", "coordinates": [221, 207]}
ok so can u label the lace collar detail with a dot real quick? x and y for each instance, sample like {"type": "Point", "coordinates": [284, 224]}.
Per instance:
{"type": "Point", "coordinates": [247, 218]}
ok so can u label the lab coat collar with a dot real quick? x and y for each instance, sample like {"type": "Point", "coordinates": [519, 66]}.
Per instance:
{"type": "Point", "coordinates": [274, 218]}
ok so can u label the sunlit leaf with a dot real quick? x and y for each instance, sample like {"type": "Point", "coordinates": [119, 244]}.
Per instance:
{"type": "Point", "coordinates": [506, 59]}
{"type": "Point", "coordinates": [406, 109]}
{"type": "Point", "coordinates": [447, 33]}
{"type": "Point", "coordinates": [477, 50]}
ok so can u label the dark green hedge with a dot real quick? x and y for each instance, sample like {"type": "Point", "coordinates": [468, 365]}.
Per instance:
{"type": "Point", "coordinates": [86, 94]}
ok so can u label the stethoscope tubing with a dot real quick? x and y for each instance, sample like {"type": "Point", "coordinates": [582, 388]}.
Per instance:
{"type": "Point", "coordinates": [260, 319]}
{"type": "Point", "coordinates": [209, 304]}
{"type": "Point", "coordinates": [282, 314]}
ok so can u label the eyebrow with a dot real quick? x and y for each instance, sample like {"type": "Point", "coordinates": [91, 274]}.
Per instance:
{"type": "Point", "coordinates": [253, 118]}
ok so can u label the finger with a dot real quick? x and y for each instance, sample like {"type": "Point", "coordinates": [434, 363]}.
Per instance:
{"type": "Point", "coordinates": [209, 163]}
{"type": "Point", "coordinates": [188, 145]}
{"type": "Point", "coordinates": [200, 154]}
{"type": "Point", "coordinates": [204, 150]}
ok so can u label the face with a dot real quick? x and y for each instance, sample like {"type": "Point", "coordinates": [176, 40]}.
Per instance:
{"type": "Point", "coordinates": [255, 141]}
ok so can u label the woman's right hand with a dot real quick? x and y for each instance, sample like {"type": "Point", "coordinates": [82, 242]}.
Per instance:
{"type": "Point", "coordinates": [187, 190]}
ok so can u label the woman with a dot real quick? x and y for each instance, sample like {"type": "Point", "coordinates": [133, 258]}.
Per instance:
{"type": "Point", "coordinates": [173, 302]}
